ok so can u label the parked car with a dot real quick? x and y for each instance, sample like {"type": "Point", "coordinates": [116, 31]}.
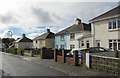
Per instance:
{"type": "Point", "coordinates": [70, 54]}
{"type": "Point", "coordinates": [97, 49]}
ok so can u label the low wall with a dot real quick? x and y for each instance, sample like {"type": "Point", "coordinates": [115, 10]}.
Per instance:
{"type": "Point", "coordinates": [60, 56]}
{"type": "Point", "coordinates": [109, 65]}
{"type": "Point", "coordinates": [28, 53]}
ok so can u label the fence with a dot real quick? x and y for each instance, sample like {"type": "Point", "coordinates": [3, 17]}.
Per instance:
{"type": "Point", "coordinates": [109, 65]}
{"type": "Point", "coordinates": [60, 56]}
{"type": "Point", "coordinates": [47, 53]}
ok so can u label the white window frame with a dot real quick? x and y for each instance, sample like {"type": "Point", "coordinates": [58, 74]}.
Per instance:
{"type": "Point", "coordinates": [112, 42]}
{"type": "Point", "coordinates": [72, 46]}
{"type": "Point", "coordinates": [111, 21]}
{"type": "Point", "coordinates": [72, 36]}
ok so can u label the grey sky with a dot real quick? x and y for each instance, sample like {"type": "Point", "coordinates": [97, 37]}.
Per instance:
{"type": "Point", "coordinates": [28, 16]}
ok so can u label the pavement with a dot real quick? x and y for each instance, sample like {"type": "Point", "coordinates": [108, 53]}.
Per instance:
{"type": "Point", "coordinates": [70, 70]}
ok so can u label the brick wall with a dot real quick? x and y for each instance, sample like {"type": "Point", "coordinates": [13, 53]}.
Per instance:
{"type": "Point", "coordinates": [109, 65]}
{"type": "Point", "coordinates": [60, 56]}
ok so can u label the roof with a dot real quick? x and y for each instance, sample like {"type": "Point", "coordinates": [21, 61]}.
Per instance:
{"type": "Point", "coordinates": [114, 11]}
{"type": "Point", "coordinates": [85, 36]}
{"type": "Point", "coordinates": [76, 28]}
{"type": "Point", "coordinates": [45, 36]}
{"type": "Point", "coordinates": [24, 39]}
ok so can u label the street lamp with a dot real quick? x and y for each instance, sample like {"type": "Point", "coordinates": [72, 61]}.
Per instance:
{"type": "Point", "coordinates": [10, 34]}
{"type": "Point", "coordinates": [10, 37]}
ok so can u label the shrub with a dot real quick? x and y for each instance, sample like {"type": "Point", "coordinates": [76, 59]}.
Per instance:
{"type": "Point", "coordinates": [20, 51]}
{"type": "Point", "coordinates": [36, 51]}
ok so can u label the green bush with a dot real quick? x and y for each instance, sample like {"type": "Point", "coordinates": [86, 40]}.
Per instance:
{"type": "Point", "coordinates": [11, 50]}
{"type": "Point", "coordinates": [36, 51]}
{"type": "Point", "coordinates": [20, 51]}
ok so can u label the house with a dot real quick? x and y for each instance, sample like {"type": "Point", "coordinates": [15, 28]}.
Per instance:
{"type": "Point", "coordinates": [44, 40]}
{"type": "Point", "coordinates": [73, 36]}
{"type": "Point", "coordinates": [106, 29]}
{"type": "Point", "coordinates": [23, 42]}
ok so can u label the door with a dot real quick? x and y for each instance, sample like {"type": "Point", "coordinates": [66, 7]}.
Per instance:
{"type": "Point", "coordinates": [87, 44]}
{"type": "Point", "coordinates": [98, 43]}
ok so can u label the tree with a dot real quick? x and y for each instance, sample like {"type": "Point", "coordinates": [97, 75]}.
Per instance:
{"type": "Point", "coordinates": [8, 41]}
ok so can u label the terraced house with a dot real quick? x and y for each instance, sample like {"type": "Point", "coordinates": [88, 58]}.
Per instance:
{"type": "Point", "coordinates": [106, 29]}
{"type": "Point", "coordinates": [75, 36]}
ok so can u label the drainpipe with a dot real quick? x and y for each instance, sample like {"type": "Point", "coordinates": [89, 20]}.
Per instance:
{"type": "Point", "coordinates": [93, 35]}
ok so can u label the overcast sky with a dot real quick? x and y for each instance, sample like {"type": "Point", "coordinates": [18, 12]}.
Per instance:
{"type": "Point", "coordinates": [33, 17]}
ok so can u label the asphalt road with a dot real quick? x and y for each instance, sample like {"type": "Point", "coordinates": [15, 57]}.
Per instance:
{"type": "Point", "coordinates": [14, 66]}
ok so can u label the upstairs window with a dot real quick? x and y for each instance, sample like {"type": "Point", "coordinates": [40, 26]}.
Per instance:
{"type": "Point", "coordinates": [72, 36]}
{"type": "Point", "coordinates": [114, 24]}
{"type": "Point", "coordinates": [119, 23]}
{"type": "Point", "coordinates": [36, 41]}
{"type": "Point", "coordinates": [62, 37]}
{"type": "Point", "coordinates": [110, 25]}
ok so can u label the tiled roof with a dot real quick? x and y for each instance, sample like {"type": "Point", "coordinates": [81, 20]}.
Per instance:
{"type": "Point", "coordinates": [109, 13]}
{"type": "Point", "coordinates": [45, 36]}
{"type": "Point", "coordinates": [24, 39]}
{"type": "Point", "coordinates": [76, 28]}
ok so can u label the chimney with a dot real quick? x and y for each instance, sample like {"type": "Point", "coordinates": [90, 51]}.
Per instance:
{"type": "Point", "coordinates": [48, 30]}
{"type": "Point", "coordinates": [78, 21]}
{"type": "Point", "coordinates": [23, 35]}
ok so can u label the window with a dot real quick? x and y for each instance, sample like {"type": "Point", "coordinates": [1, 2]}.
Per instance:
{"type": "Point", "coordinates": [36, 41]}
{"type": "Point", "coordinates": [62, 46]}
{"type": "Point", "coordinates": [114, 24]}
{"type": "Point", "coordinates": [119, 23]}
{"type": "Point", "coordinates": [72, 36]}
{"type": "Point", "coordinates": [62, 37]}
{"type": "Point", "coordinates": [72, 46]}
{"type": "Point", "coordinates": [82, 44]}
{"type": "Point", "coordinates": [110, 25]}
{"type": "Point", "coordinates": [114, 44]}
{"type": "Point", "coordinates": [119, 46]}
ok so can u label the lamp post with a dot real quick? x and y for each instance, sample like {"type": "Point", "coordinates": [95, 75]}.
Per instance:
{"type": "Point", "coordinates": [10, 34]}
{"type": "Point", "coordinates": [10, 38]}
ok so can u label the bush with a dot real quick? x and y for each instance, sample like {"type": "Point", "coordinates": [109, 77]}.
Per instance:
{"type": "Point", "coordinates": [11, 50]}
{"type": "Point", "coordinates": [36, 51]}
{"type": "Point", "coordinates": [20, 51]}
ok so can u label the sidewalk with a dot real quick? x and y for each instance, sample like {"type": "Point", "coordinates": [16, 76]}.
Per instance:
{"type": "Point", "coordinates": [66, 68]}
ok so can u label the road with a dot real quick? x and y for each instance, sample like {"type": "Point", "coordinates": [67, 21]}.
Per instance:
{"type": "Point", "coordinates": [14, 66]}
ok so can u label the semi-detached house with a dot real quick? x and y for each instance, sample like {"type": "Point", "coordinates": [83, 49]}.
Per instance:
{"type": "Point", "coordinates": [106, 29]}
{"type": "Point", "coordinates": [72, 37]}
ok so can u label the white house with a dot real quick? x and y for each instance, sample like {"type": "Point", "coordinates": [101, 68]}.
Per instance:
{"type": "Point", "coordinates": [72, 37]}
{"type": "Point", "coordinates": [106, 29]}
